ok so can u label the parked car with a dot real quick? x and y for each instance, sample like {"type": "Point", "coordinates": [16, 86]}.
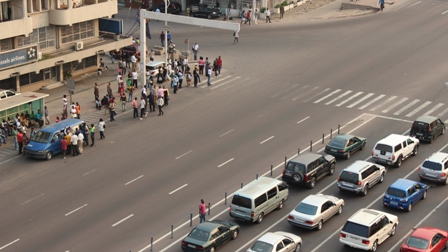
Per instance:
{"type": "Point", "coordinates": [368, 228]}
{"type": "Point", "coordinates": [344, 145]}
{"type": "Point", "coordinates": [435, 168]}
{"type": "Point", "coordinates": [395, 148]}
{"type": "Point", "coordinates": [210, 235]}
{"type": "Point", "coordinates": [427, 128]}
{"type": "Point", "coordinates": [404, 193]}
{"type": "Point", "coordinates": [314, 210]}
{"type": "Point", "coordinates": [173, 8]}
{"type": "Point", "coordinates": [360, 176]}
{"type": "Point", "coordinates": [308, 168]}
{"type": "Point", "coordinates": [153, 67]}
{"type": "Point", "coordinates": [205, 11]}
{"type": "Point", "coordinates": [277, 241]}
{"type": "Point", "coordinates": [7, 93]}
{"type": "Point", "coordinates": [426, 239]}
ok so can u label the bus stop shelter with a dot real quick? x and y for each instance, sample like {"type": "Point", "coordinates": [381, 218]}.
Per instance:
{"type": "Point", "coordinates": [20, 103]}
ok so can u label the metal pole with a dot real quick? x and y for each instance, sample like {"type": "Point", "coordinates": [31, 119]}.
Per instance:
{"type": "Point", "coordinates": [311, 145]}
{"type": "Point", "coordinates": [241, 185]}
{"type": "Point", "coordinates": [298, 151]}
{"type": "Point", "coordinates": [191, 219]}
{"type": "Point", "coordinates": [285, 160]}
{"type": "Point", "coordinates": [271, 169]}
{"type": "Point", "coordinates": [142, 45]}
{"type": "Point", "coordinates": [166, 32]}
{"type": "Point", "coordinates": [256, 177]}
{"type": "Point", "coordinates": [151, 243]}
{"type": "Point", "coordinates": [339, 128]}
{"type": "Point", "coordinates": [209, 208]}
{"type": "Point", "coordinates": [323, 136]}
{"type": "Point", "coordinates": [331, 133]}
{"type": "Point", "coordinates": [172, 231]}
{"type": "Point", "coordinates": [225, 199]}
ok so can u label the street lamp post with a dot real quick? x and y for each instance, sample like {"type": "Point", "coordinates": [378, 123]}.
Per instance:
{"type": "Point", "coordinates": [166, 32]}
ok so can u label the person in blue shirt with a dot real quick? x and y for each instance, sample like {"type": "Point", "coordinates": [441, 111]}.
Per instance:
{"type": "Point", "coordinates": [38, 118]}
{"type": "Point", "coordinates": [168, 36]}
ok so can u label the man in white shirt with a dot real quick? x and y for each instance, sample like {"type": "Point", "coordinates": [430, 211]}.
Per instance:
{"type": "Point", "coordinates": [142, 108]}
{"type": "Point", "coordinates": [74, 142]}
{"type": "Point", "coordinates": [267, 12]}
{"type": "Point", "coordinates": [184, 65]}
{"type": "Point", "coordinates": [101, 127]}
{"type": "Point", "coordinates": [133, 61]}
{"type": "Point", "coordinates": [195, 50]}
{"type": "Point", "coordinates": [134, 78]}
{"type": "Point", "coordinates": [80, 142]}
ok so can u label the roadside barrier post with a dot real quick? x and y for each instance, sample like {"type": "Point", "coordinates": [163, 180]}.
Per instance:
{"type": "Point", "coordinates": [285, 160]}
{"type": "Point", "coordinates": [209, 208]}
{"type": "Point", "coordinates": [256, 177]}
{"type": "Point", "coordinates": [323, 137]}
{"type": "Point", "coordinates": [271, 169]}
{"type": "Point", "coordinates": [339, 128]}
{"type": "Point", "coordinates": [241, 185]}
{"type": "Point", "coordinates": [311, 145]}
{"type": "Point", "coordinates": [225, 198]}
{"type": "Point", "coordinates": [172, 232]}
{"type": "Point", "coordinates": [331, 133]}
{"type": "Point", "coordinates": [191, 219]}
{"type": "Point", "coordinates": [298, 151]}
{"type": "Point", "coordinates": [151, 243]}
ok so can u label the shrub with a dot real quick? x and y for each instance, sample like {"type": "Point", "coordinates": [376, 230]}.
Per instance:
{"type": "Point", "coordinates": [263, 9]}
{"type": "Point", "coordinates": [284, 3]}
{"type": "Point", "coordinates": [277, 6]}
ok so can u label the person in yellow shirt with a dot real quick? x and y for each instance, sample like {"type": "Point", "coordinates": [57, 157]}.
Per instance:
{"type": "Point", "coordinates": [68, 137]}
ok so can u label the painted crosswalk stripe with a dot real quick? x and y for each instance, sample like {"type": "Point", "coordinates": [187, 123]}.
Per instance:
{"type": "Point", "coordinates": [442, 113]}
{"type": "Point", "coordinates": [407, 106]}
{"type": "Point", "coordinates": [339, 97]}
{"type": "Point", "coordinates": [383, 103]}
{"type": "Point", "coordinates": [224, 83]}
{"type": "Point", "coordinates": [429, 112]}
{"type": "Point", "coordinates": [349, 98]}
{"type": "Point", "coordinates": [316, 95]}
{"type": "Point", "coordinates": [328, 95]}
{"type": "Point", "coordinates": [360, 100]}
{"type": "Point", "coordinates": [418, 109]}
{"type": "Point", "coordinates": [372, 101]}
{"type": "Point", "coordinates": [203, 84]}
{"type": "Point", "coordinates": [395, 105]}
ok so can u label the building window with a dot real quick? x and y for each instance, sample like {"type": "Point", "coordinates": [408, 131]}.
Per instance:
{"type": "Point", "coordinates": [37, 5]}
{"type": "Point", "coordinates": [90, 61]}
{"type": "Point", "coordinates": [30, 78]}
{"type": "Point", "coordinates": [6, 44]}
{"type": "Point", "coordinates": [77, 31]}
{"type": "Point", "coordinates": [45, 37]}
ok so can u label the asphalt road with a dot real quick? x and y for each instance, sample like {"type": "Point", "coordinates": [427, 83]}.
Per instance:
{"type": "Point", "coordinates": [283, 85]}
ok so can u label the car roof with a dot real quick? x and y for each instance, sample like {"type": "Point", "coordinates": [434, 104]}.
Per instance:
{"type": "Point", "coordinates": [344, 136]}
{"type": "Point", "coordinates": [357, 166]}
{"type": "Point", "coordinates": [316, 199]}
{"type": "Point", "coordinates": [306, 158]}
{"type": "Point", "coordinates": [366, 216]}
{"type": "Point", "coordinates": [426, 119]}
{"type": "Point", "coordinates": [155, 63]}
{"type": "Point", "coordinates": [392, 139]}
{"type": "Point", "coordinates": [208, 226]}
{"type": "Point", "coordinates": [438, 157]}
{"type": "Point", "coordinates": [256, 187]}
{"type": "Point", "coordinates": [271, 238]}
{"type": "Point", "coordinates": [402, 184]}
{"type": "Point", "coordinates": [61, 125]}
{"type": "Point", "coordinates": [425, 232]}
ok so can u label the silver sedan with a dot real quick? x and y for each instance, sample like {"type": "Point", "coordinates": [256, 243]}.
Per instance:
{"type": "Point", "coordinates": [314, 210]}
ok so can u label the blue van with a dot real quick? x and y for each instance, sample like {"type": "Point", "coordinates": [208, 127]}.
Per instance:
{"type": "Point", "coordinates": [47, 141]}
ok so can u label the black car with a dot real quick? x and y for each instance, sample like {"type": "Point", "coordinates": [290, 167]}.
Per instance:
{"type": "Point", "coordinates": [205, 11]}
{"type": "Point", "coordinates": [308, 168]}
{"type": "Point", "coordinates": [173, 8]}
{"type": "Point", "coordinates": [427, 128]}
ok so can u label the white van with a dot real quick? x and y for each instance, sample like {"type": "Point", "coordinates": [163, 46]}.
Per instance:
{"type": "Point", "coordinates": [258, 198]}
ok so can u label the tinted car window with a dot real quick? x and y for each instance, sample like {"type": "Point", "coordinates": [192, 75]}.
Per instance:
{"type": "Point", "coordinates": [241, 201]}
{"type": "Point", "coordinates": [356, 229]}
{"type": "Point", "coordinates": [383, 147]}
{"type": "Point", "coordinates": [296, 167]}
{"type": "Point", "coordinates": [417, 242]}
{"type": "Point", "coordinates": [199, 234]}
{"type": "Point", "coordinates": [375, 228]}
{"type": "Point", "coordinates": [260, 246]}
{"type": "Point", "coordinates": [260, 200]}
{"type": "Point", "coordinates": [272, 193]}
{"type": "Point", "coordinates": [338, 142]}
{"type": "Point", "coordinates": [41, 137]}
{"type": "Point", "coordinates": [397, 147]}
{"type": "Point", "coordinates": [396, 192]}
{"type": "Point", "coordinates": [282, 187]}
{"type": "Point", "coordinates": [349, 177]}
{"type": "Point", "coordinates": [420, 126]}
{"type": "Point", "coordinates": [306, 209]}
{"type": "Point", "coordinates": [432, 165]}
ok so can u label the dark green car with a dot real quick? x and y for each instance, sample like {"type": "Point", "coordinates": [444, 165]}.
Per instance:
{"type": "Point", "coordinates": [210, 235]}
{"type": "Point", "coordinates": [344, 145]}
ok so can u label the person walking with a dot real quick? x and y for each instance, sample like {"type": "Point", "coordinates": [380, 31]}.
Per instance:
{"type": "Point", "coordinates": [195, 50]}
{"type": "Point", "coordinates": [142, 107]}
{"type": "Point", "coordinates": [47, 116]}
{"type": "Point", "coordinates": [162, 38]}
{"type": "Point", "coordinates": [74, 142]}
{"type": "Point", "coordinates": [207, 66]}
{"type": "Point", "coordinates": [112, 109]}
{"type": "Point", "coordinates": [85, 132]}
{"type": "Point", "coordinates": [166, 95]}
{"type": "Point", "coordinates": [109, 89]}
{"type": "Point", "coordinates": [168, 36]}
{"type": "Point", "coordinates": [236, 35]}
{"type": "Point", "coordinates": [248, 17]}
{"type": "Point", "coordinates": [64, 106]}
{"type": "Point", "coordinates": [215, 67]}
{"type": "Point", "coordinates": [78, 110]}
{"type": "Point", "coordinates": [174, 83]}
{"type": "Point", "coordinates": [101, 127]}
{"type": "Point", "coordinates": [92, 134]}
{"type": "Point", "coordinates": [256, 15]}
{"type": "Point", "coordinates": [135, 107]}
{"type": "Point", "coordinates": [180, 77]}
{"type": "Point", "coordinates": [196, 77]}
{"type": "Point", "coordinates": [25, 141]}
{"type": "Point", "coordinates": [267, 12]}
{"type": "Point", "coordinates": [19, 141]}
{"type": "Point", "coordinates": [152, 105]}
{"type": "Point", "coordinates": [201, 63]}
{"type": "Point", "coordinates": [134, 78]}
{"type": "Point", "coordinates": [80, 141]}
{"type": "Point", "coordinates": [15, 132]}
{"type": "Point", "coordinates": [282, 11]}
{"type": "Point", "coordinates": [96, 92]}
{"type": "Point", "coordinates": [131, 93]}
{"type": "Point", "coordinates": [160, 103]}
{"type": "Point", "coordinates": [202, 211]}
{"type": "Point", "coordinates": [209, 74]}
{"type": "Point", "coordinates": [123, 102]}
{"type": "Point", "coordinates": [243, 17]}
{"type": "Point", "coordinates": [64, 147]}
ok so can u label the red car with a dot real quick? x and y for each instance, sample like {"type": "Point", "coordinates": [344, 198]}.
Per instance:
{"type": "Point", "coordinates": [426, 239]}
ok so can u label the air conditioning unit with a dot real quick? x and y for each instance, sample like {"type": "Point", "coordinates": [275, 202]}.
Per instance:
{"type": "Point", "coordinates": [39, 55]}
{"type": "Point", "coordinates": [79, 46]}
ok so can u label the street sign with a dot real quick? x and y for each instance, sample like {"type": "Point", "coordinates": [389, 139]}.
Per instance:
{"type": "Point", "coordinates": [71, 84]}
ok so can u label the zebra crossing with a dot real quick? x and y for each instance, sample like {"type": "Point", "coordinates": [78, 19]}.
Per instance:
{"type": "Point", "coordinates": [397, 106]}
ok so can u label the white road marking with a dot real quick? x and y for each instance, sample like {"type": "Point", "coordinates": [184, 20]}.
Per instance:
{"type": "Point", "coordinates": [316, 95]}
{"type": "Point", "coordinates": [134, 180]}
{"type": "Point", "coordinates": [328, 95]}
{"type": "Point", "coordinates": [383, 103]}
{"type": "Point", "coordinates": [350, 98]}
{"type": "Point", "coordinates": [9, 160]}
{"type": "Point", "coordinates": [9, 244]}
{"type": "Point", "coordinates": [443, 13]}
{"type": "Point", "coordinates": [222, 84]}
{"type": "Point", "coordinates": [67, 214]}
{"type": "Point", "coordinates": [230, 160]}
{"type": "Point", "coordinates": [304, 119]}
{"type": "Point", "coordinates": [184, 154]}
{"type": "Point", "coordinates": [178, 189]}
{"type": "Point", "coordinates": [395, 105]}
{"type": "Point", "coordinates": [360, 100]}
{"type": "Point", "coordinates": [264, 141]}
{"type": "Point", "coordinates": [297, 97]}
{"type": "Point", "coordinates": [32, 199]}
{"type": "Point", "coordinates": [263, 114]}
{"type": "Point", "coordinates": [339, 97]}
{"type": "Point", "coordinates": [226, 133]}
{"type": "Point", "coordinates": [122, 220]}
{"type": "Point", "coordinates": [418, 109]}
{"type": "Point", "coordinates": [215, 81]}
{"type": "Point", "coordinates": [285, 89]}
{"type": "Point", "coordinates": [372, 101]}
{"type": "Point", "coordinates": [414, 4]}
{"type": "Point", "coordinates": [429, 112]}
{"type": "Point", "coordinates": [392, 118]}
{"type": "Point", "coordinates": [87, 173]}
{"type": "Point", "coordinates": [442, 113]}
{"type": "Point", "coordinates": [407, 106]}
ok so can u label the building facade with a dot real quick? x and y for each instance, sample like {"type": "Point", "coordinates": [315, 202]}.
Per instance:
{"type": "Point", "coordinates": [46, 41]}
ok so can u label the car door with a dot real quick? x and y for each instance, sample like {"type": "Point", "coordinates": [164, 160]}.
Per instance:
{"type": "Point", "coordinates": [327, 210]}
{"type": "Point", "coordinates": [289, 245]}
{"type": "Point", "coordinates": [224, 234]}
{"type": "Point", "coordinates": [272, 199]}
{"type": "Point", "coordinates": [437, 242]}
{"type": "Point", "coordinates": [321, 167]}
{"type": "Point", "coordinates": [440, 126]}
{"type": "Point", "coordinates": [352, 145]}
{"type": "Point", "coordinates": [411, 195]}
{"type": "Point", "coordinates": [386, 228]}
{"type": "Point", "coordinates": [375, 174]}
{"type": "Point", "coordinates": [418, 192]}
{"type": "Point", "coordinates": [216, 238]}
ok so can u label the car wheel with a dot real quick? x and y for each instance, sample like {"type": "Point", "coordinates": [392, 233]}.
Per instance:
{"type": "Point", "coordinates": [49, 155]}
{"type": "Point", "coordinates": [348, 155]}
{"type": "Point", "coordinates": [424, 195]}
{"type": "Point", "coordinates": [409, 207]}
{"type": "Point", "coordinates": [382, 177]}
{"type": "Point", "coordinates": [312, 183]}
{"type": "Point", "coordinates": [298, 177]}
{"type": "Point", "coordinates": [362, 146]}
{"type": "Point", "coordinates": [340, 209]}
{"type": "Point", "coordinates": [443, 131]}
{"type": "Point", "coordinates": [394, 229]}
{"type": "Point", "coordinates": [398, 163]}
{"type": "Point", "coordinates": [374, 246]}
{"type": "Point", "coordinates": [364, 192]}
{"type": "Point", "coordinates": [212, 249]}
{"type": "Point", "coordinates": [332, 169]}
{"type": "Point", "coordinates": [280, 205]}
{"type": "Point", "coordinates": [298, 248]}
{"type": "Point", "coordinates": [415, 151]}
{"type": "Point", "coordinates": [235, 234]}
{"type": "Point", "coordinates": [320, 225]}
{"type": "Point", "coordinates": [432, 140]}
{"type": "Point", "coordinates": [260, 218]}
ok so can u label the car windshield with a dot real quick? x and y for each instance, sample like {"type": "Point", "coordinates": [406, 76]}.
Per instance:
{"type": "Point", "coordinates": [296, 167]}
{"type": "Point", "coordinates": [41, 137]}
{"type": "Point", "coordinates": [420, 126]}
{"type": "Point", "coordinates": [383, 147]}
{"type": "Point", "coordinates": [241, 201]}
{"type": "Point", "coordinates": [199, 234]}
{"type": "Point", "coordinates": [356, 229]}
{"type": "Point", "coordinates": [432, 165]}
{"type": "Point", "coordinates": [306, 209]}
{"type": "Point", "coordinates": [396, 192]}
{"type": "Point", "coordinates": [417, 242]}
{"type": "Point", "coordinates": [338, 143]}
{"type": "Point", "coordinates": [349, 177]}
{"type": "Point", "coordinates": [260, 246]}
